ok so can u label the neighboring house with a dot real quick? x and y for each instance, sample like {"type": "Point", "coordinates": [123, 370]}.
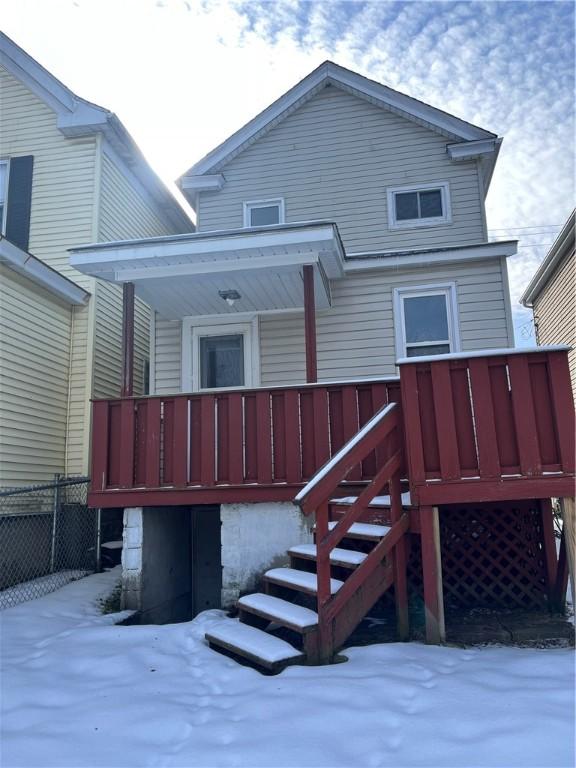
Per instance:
{"type": "Point", "coordinates": [551, 294]}
{"type": "Point", "coordinates": [69, 174]}
{"type": "Point", "coordinates": [341, 239]}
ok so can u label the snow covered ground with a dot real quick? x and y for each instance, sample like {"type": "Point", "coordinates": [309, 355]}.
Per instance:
{"type": "Point", "coordinates": [79, 691]}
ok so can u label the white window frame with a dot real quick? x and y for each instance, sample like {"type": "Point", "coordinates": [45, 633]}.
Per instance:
{"type": "Point", "coordinates": [279, 201]}
{"type": "Point", "coordinates": [448, 290]}
{"type": "Point", "coordinates": [5, 161]}
{"type": "Point", "coordinates": [195, 328]}
{"type": "Point", "coordinates": [432, 221]}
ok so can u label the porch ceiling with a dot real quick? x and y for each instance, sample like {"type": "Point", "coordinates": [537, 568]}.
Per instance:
{"type": "Point", "coordinates": [182, 275]}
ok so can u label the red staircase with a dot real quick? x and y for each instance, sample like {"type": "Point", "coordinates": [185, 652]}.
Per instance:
{"type": "Point", "coordinates": [331, 585]}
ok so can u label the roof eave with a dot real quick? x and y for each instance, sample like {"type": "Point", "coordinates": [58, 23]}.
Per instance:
{"type": "Point", "coordinates": [559, 249]}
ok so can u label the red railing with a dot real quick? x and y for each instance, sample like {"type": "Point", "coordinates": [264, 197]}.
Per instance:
{"type": "Point", "coordinates": [477, 424]}
{"type": "Point", "coordinates": [338, 614]}
{"type": "Point", "coordinates": [253, 439]}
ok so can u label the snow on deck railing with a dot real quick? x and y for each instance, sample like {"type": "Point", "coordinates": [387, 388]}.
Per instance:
{"type": "Point", "coordinates": [504, 351]}
{"type": "Point", "coordinates": [344, 451]}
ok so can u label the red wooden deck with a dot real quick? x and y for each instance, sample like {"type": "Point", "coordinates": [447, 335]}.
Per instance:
{"type": "Point", "coordinates": [476, 428]}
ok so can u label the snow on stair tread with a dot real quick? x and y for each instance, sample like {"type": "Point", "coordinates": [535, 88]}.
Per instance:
{"type": "Point", "coordinates": [281, 610]}
{"type": "Point", "coordinates": [377, 501]}
{"type": "Point", "coordinates": [337, 555]}
{"type": "Point", "coordinates": [363, 529]}
{"type": "Point", "coordinates": [293, 578]}
{"type": "Point", "coordinates": [252, 642]}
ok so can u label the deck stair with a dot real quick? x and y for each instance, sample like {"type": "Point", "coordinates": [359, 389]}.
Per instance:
{"type": "Point", "coordinates": [308, 610]}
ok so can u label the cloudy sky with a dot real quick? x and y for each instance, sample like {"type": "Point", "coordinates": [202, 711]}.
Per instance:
{"type": "Point", "coordinates": [184, 74]}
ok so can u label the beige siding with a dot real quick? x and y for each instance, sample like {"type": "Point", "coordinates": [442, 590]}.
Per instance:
{"type": "Point", "coordinates": [166, 376]}
{"type": "Point", "coordinates": [555, 310]}
{"type": "Point", "coordinates": [124, 213]}
{"type": "Point", "coordinates": [355, 338]}
{"type": "Point", "coordinates": [35, 330]}
{"type": "Point", "coordinates": [334, 158]}
{"type": "Point", "coordinates": [61, 217]}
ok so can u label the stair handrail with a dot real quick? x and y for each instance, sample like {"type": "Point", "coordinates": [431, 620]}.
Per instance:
{"type": "Point", "coordinates": [315, 496]}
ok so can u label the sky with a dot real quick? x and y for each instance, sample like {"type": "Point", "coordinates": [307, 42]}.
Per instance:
{"type": "Point", "coordinates": [183, 75]}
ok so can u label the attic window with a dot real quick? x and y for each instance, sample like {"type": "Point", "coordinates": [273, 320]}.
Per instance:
{"type": "Point", "coordinates": [264, 213]}
{"type": "Point", "coordinates": [424, 205]}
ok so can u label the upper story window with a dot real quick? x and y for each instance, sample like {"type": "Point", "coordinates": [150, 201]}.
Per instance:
{"type": "Point", "coordinates": [264, 213]}
{"type": "Point", "coordinates": [424, 205]}
{"type": "Point", "coordinates": [3, 194]}
{"type": "Point", "coordinates": [425, 319]}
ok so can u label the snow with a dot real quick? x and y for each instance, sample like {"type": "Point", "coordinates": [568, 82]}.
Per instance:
{"type": "Point", "coordinates": [299, 579]}
{"type": "Point", "coordinates": [377, 501]}
{"type": "Point", "coordinates": [256, 643]}
{"type": "Point", "coordinates": [347, 556]}
{"type": "Point", "coordinates": [281, 610]}
{"type": "Point", "coordinates": [38, 587]}
{"type": "Point", "coordinates": [362, 529]}
{"type": "Point", "coordinates": [79, 692]}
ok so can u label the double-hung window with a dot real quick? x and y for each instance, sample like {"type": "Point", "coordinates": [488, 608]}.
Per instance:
{"type": "Point", "coordinates": [426, 320]}
{"type": "Point", "coordinates": [264, 213]}
{"type": "Point", "coordinates": [423, 205]}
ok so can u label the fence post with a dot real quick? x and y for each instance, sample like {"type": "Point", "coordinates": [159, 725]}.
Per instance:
{"type": "Point", "coordinates": [55, 508]}
{"type": "Point", "coordinates": [98, 539]}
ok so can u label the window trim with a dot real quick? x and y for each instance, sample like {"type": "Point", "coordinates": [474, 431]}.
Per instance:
{"type": "Point", "coordinates": [431, 221]}
{"type": "Point", "coordinates": [5, 161]}
{"type": "Point", "coordinates": [448, 290]}
{"type": "Point", "coordinates": [249, 204]}
{"type": "Point", "coordinates": [193, 328]}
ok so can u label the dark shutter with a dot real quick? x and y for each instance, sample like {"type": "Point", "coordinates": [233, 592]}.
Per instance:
{"type": "Point", "coordinates": [19, 201]}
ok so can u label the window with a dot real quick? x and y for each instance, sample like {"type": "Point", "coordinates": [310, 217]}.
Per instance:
{"type": "Point", "coordinates": [264, 213]}
{"type": "Point", "coordinates": [3, 194]}
{"type": "Point", "coordinates": [426, 321]}
{"type": "Point", "coordinates": [222, 361]}
{"type": "Point", "coordinates": [220, 352]}
{"type": "Point", "coordinates": [423, 206]}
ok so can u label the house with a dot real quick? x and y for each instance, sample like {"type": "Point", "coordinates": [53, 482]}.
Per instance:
{"type": "Point", "coordinates": [69, 174]}
{"type": "Point", "coordinates": [335, 343]}
{"type": "Point", "coordinates": [551, 295]}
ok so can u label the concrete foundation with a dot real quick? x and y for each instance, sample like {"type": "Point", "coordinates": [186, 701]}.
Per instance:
{"type": "Point", "coordinates": [156, 563]}
{"type": "Point", "coordinates": [255, 537]}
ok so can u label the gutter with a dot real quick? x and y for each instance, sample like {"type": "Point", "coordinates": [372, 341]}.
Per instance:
{"type": "Point", "coordinates": [40, 273]}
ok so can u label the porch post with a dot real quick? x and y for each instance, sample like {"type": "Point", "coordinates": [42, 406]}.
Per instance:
{"type": "Point", "coordinates": [432, 573]}
{"type": "Point", "coordinates": [310, 324]}
{"type": "Point", "coordinates": [127, 340]}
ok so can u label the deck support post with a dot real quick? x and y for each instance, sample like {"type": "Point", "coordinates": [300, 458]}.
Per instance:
{"type": "Point", "coordinates": [400, 563]}
{"type": "Point", "coordinates": [432, 573]}
{"type": "Point", "coordinates": [549, 546]}
{"type": "Point", "coordinates": [127, 340]}
{"type": "Point", "coordinates": [310, 324]}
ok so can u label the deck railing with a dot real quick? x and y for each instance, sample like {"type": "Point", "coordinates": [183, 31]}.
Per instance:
{"type": "Point", "coordinates": [476, 423]}
{"type": "Point", "coordinates": [254, 439]}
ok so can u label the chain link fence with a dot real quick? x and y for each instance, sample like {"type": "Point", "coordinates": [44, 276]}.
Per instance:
{"type": "Point", "coordinates": [48, 537]}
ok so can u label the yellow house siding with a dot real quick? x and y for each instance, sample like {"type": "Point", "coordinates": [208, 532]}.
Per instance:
{"type": "Point", "coordinates": [124, 213]}
{"type": "Point", "coordinates": [61, 217]}
{"type": "Point", "coordinates": [555, 310]}
{"type": "Point", "coordinates": [35, 331]}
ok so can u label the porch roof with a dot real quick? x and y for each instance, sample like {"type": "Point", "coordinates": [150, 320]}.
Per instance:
{"type": "Point", "coordinates": [183, 275]}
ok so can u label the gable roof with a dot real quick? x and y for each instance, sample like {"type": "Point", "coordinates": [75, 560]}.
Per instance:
{"type": "Point", "coordinates": [329, 73]}
{"type": "Point", "coordinates": [561, 247]}
{"type": "Point", "coordinates": [79, 117]}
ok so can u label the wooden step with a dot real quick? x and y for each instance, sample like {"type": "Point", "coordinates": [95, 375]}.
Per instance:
{"type": "Point", "coordinates": [377, 501]}
{"type": "Point", "coordinates": [346, 558]}
{"type": "Point", "coordinates": [253, 644]}
{"type": "Point", "coordinates": [365, 531]}
{"type": "Point", "coordinates": [301, 581]}
{"type": "Point", "coordinates": [279, 611]}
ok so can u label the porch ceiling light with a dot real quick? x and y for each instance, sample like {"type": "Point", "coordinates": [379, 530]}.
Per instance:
{"type": "Point", "coordinates": [229, 296]}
